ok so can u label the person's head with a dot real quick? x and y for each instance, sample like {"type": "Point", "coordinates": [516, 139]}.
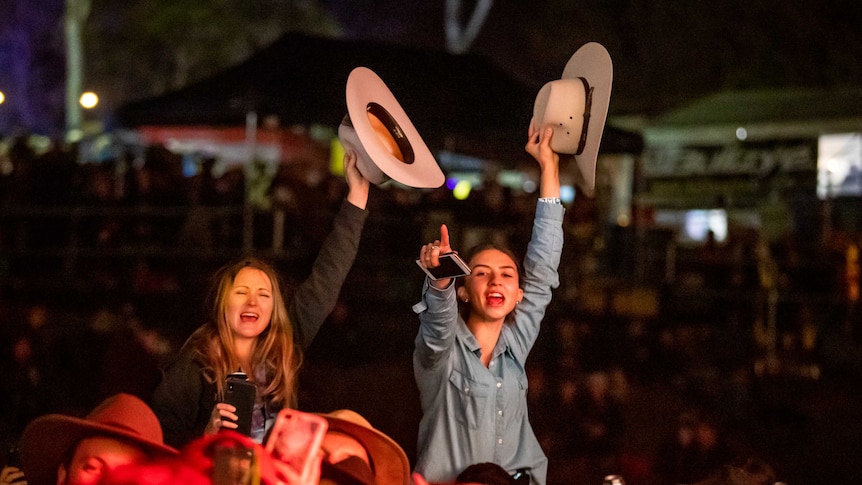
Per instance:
{"type": "Point", "coordinates": [247, 306]}
{"type": "Point", "coordinates": [66, 450]}
{"type": "Point", "coordinates": [598, 385]}
{"type": "Point", "coordinates": [685, 430]}
{"type": "Point", "coordinates": [355, 453]}
{"type": "Point", "coordinates": [707, 433]}
{"type": "Point", "coordinates": [484, 474]}
{"type": "Point", "coordinates": [492, 289]}
{"type": "Point", "coordinates": [247, 300]}
{"type": "Point", "coordinates": [743, 470]}
{"type": "Point", "coordinates": [95, 456]}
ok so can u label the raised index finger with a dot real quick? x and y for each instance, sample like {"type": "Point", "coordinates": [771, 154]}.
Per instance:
{"type": "Point", "coordinates": [444, 236]}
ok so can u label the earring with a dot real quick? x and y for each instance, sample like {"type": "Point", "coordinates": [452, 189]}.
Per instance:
{"type": "Point", "coordinates": [466, 300]}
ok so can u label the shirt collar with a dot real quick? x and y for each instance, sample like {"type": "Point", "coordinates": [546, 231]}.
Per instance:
{"type": "Point", "coordinates": [466, 336]}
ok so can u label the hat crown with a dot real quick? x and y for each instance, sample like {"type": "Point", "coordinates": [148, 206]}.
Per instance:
{"type": "Point", "coordinates": [351, 416]}
{"type": "Point", "coordinates": [390, 463]}
{"type": "Point", "coordinates": [562, 105]}
{"type": "Point", "coordinates": [130, 414]}
{"type": "Point", "coordinates": [47, 440]}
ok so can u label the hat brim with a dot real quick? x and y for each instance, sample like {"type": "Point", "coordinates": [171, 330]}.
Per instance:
{"type": "Point", "coordinates": [365, 87]}
{"type": "Point", "coordinates": [593, 63]}
{"type": "Point", "coordinates": [47, 440]}
{"type": "Point", "coordinates": [391, 465]}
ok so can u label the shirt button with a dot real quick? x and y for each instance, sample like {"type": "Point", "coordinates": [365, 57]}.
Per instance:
{"type": "Point", "coordinates": [500, 412]}
{"type": "Point", "coordinates": [466, 389]}
{"type": "Point", "coordinates": [499, 441]}
{"type": "Point", "coordinates": [499, 385]}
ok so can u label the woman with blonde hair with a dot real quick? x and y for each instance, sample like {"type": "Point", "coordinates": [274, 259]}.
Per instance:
{"type": "Point", "coordinates": [254, 329]}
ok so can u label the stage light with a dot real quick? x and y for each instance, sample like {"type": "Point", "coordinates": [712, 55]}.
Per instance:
{"type": "Point", "coordinates": [89, 100]}
{"type": "Point", "coordinates": [462, 190]}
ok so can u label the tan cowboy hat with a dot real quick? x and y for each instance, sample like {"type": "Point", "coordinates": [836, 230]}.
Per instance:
{"type": "Point", "coordinates": [386, 143]}
{"type": "Point", "coordinates": [47, 440]}
{"type": "Point", "coordinates": [388, 460]}
{"type": "Point", "coordinates": [576, 106]}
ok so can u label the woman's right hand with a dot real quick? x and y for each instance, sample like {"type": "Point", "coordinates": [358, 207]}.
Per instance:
{"type": "Point", "coordinates": [222, 416]}
{"type": "Point", "coordinates": [539, 146]}
{"type": "Point", "coordinates": [429, 255]}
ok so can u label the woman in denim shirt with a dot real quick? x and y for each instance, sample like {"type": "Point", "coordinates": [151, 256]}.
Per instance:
{"type": "Point", "coordinates": [470, 372]}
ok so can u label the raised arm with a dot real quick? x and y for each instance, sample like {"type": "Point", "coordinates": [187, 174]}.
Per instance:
{"type": "Point", "coordinates": [315, 298]}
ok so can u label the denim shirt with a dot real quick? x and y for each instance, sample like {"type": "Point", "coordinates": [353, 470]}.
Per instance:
{"type": "Point", "coordinates": [472, 413]}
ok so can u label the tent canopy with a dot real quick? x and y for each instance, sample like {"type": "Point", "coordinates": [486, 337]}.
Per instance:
{"type": "Point", "coordinates": [462, 103]}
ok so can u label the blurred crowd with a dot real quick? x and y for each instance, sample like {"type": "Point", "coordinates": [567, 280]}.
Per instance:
{"type": "Point", "coordinates": [590, 371]}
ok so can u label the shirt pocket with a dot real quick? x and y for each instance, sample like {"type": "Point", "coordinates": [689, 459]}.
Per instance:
{"type": "Point", "coordinates": [470, 399]}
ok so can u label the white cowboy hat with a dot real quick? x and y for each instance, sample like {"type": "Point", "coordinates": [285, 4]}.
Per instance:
{"type": "Point", "coordinates": [576, 106]}
{"type": "Point", "coordinates": [386, 143]}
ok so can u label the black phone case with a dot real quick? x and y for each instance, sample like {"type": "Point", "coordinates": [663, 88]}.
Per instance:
{"type": "Point", "coordinates": [240, 393]}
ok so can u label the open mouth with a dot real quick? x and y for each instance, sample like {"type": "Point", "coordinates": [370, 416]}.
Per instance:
{"type": "Point", "coordinates": [495, 298]}
{"type": "Point", "coordinates": [249, 317]}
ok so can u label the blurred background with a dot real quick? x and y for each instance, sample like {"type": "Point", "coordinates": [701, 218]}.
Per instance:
{"type": "Point", "coordinates": [709, 304]}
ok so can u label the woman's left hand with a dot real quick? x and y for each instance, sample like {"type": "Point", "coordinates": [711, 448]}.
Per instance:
{"type": "Point", "coordinates": [358, 186]}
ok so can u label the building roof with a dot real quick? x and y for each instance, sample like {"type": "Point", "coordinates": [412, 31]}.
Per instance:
{"type": "Point", "coordinates": [765, 114]}
{"type": "Point", "coordinates": [461, 103]}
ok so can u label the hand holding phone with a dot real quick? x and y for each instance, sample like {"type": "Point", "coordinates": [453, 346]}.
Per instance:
{"type": "Point", "coordinates": [439, 261]}
{"type": "Point", "coordinates": [451, 266]}
{"type": "Point", "coordinates": [240, 393]}
{"type": "Point", "coordinates": [295, 443]}
{"type": "Point", "coordinates": [10, 472]}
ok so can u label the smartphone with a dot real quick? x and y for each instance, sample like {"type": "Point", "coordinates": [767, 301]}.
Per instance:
{"type": "Point", "coordinates": [240, 393]}
{"type": "Point", "coordinates": [13, 460]}
{"type": "Point", "coordinates": [451, 266]}
{"type": "Point", "coordinates": [295, 440]}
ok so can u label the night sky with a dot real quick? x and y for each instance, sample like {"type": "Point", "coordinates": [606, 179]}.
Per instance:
{"type": "Point", "coordinates": [665, 52]}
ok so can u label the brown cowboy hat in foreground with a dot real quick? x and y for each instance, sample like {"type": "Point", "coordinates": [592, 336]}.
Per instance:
{"type": "Point", "coordinates": [48, 439]}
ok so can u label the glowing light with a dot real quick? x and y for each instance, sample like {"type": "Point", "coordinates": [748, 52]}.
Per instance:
{"type": "Point", "coordinates": [567, 194]}
{"type": "Point", "coordinates": [462, 190]}
{"type": "Point", "coordinates": [451, 183]}
{"type": "Point", "coordinates": [89, 100]}
{"type": "Point", "coordinates": [336, 157]}
{"type": "Point", "coordinates": [741, 133]}
{"type": "Point", "coordinates": [2, 97]}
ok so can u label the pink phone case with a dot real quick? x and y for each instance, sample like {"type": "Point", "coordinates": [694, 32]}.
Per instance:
{"type": "Point", "coordinates": [296, 438]}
